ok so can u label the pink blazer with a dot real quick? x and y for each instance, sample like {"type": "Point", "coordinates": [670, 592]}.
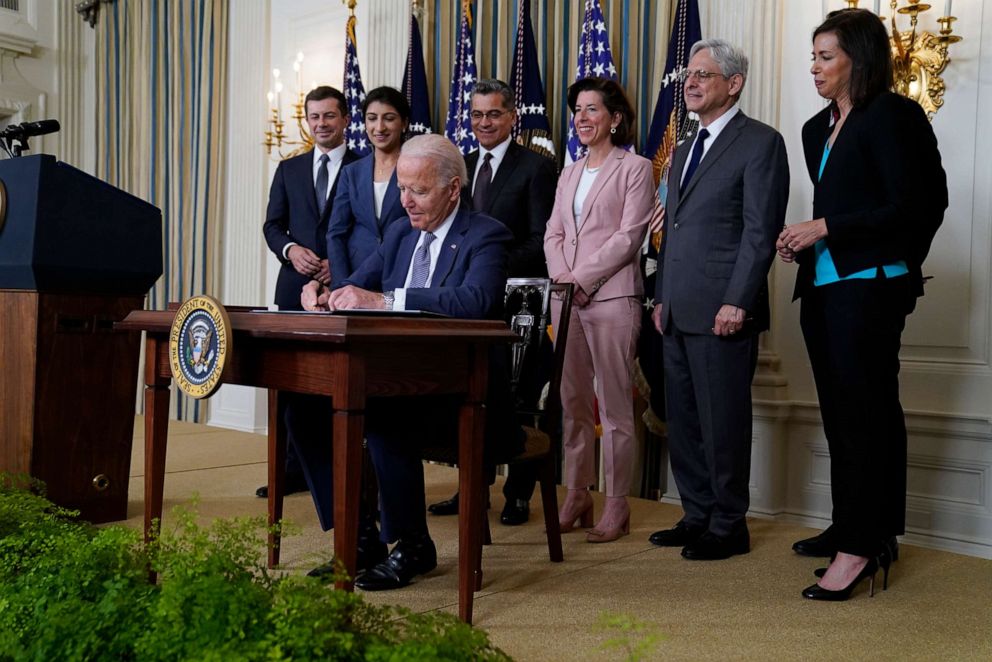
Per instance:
{"type": "Point", "coordinates": [602, 256]}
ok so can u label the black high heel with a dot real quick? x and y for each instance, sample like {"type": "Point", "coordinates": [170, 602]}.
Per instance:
{"type": "Point", "coordinates": [817, 592]}
{"type": "Point", "coordinates": [889, 553]}
{"type": "Point", "coordinates": [885, 560]}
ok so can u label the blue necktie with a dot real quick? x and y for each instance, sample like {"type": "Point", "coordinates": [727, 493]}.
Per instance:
{"type": "Point", "coordinates": [697, 156]}
{"type": "Point", "coordinates": [422, 262]}
{"type": "Point", "coordinates": [321, 185]}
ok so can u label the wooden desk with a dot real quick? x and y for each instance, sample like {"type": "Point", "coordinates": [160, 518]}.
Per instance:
{"type": "Point", "coordinates": [348, 358]}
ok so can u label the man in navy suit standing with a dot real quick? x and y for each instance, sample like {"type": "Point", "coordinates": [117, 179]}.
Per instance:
{"type": "Point", "coordinates": [445, 260]}
{"type": "Point", "coordinates": [514, 185]}
{"type": "Point", "coordinates": [295, 229]}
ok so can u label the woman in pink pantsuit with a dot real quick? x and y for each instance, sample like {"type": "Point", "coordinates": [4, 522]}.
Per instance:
{"type": "Point", "coordinates": [602, 207]}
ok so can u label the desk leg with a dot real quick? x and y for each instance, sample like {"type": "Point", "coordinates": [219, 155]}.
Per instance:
{"type": "Point", "coordinates": [156, 437]}
{"type": "Point", "coordinates": [471, 424]}
{"type": "Point", "coordinates": [277, 474]}
{"type": "Point", "coordinates": [348, 401]}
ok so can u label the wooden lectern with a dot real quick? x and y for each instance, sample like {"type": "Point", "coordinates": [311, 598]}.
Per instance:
{"type": "Point", "coordinates": [76, 256]}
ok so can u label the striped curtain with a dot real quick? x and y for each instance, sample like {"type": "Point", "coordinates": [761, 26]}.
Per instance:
{"type": "Point", "coordinates": [161, 71]}
{"type": "Point", "coordinates": [639, 31]}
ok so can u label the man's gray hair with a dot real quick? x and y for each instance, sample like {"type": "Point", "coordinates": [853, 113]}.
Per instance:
{"type": "Point", "coordinates": [447, 160]}
{"type": "Point", "coordinates": [728, 57]}
{"type": "Point", "coordinates": [493, 86]}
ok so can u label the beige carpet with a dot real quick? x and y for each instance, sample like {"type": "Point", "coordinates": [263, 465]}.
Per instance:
{"type": "Point", "coordinates": [938, 606]}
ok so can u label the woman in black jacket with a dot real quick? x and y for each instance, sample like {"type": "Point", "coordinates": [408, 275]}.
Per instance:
{"type": "Point", "coordinates": [879, 196]}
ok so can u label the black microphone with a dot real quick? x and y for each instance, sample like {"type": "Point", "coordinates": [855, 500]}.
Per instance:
{"type": "Point", "coordinates": [28, 129]}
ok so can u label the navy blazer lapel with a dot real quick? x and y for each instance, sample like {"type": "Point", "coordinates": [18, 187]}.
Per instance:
{"type": "Point", "coordinates": [303, 174]}
{"type": "Point", "coordinates": [452, 241]}
{"type": "Point", "coordinates": [503, 174]}
{"type": "Point", "coordinates": [401, 264]}
{"type": "Point", "coordinates": [723, 141]}
{"type": "Point", "coordinates": [349, 157]}
{"type": "Point", "coordinates": [391, 198]}
{"type": "Point", "coordinates": [470, 160]}
{"type": "Point", "coordinates": [361, 175]}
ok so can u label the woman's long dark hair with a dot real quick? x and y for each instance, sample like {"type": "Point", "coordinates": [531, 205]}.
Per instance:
{"type": "Point", "coordinates": [862, 36]}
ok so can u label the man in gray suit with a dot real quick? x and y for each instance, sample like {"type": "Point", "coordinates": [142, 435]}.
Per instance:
{"type": "Point", "coordinates": [727, 193]}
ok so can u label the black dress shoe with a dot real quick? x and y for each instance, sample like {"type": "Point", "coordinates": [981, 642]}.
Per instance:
{"type": "Point", "coordinates": [824, 544]}
{"type": "Point", "coordinates": [407, 560]}
{"type": "Point", "coordinates": [515, 512]}
{"type": "Point", "coordinates": [678, 536]}
{"type": "Point", "coordinates": [371, 552]}
{"type": "Point", "coordinates": [295, 482]}
{"type": "Point", "coordinates": [446, 507]}
{"type": "Point", "coordinates": [710, 547]}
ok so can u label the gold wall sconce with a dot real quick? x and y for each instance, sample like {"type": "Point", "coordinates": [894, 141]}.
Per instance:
{"type": "Point", "coordinates": [919, 57]}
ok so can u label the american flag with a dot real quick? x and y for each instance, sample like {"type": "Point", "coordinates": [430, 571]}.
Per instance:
{"type": "Point", "coordinates": [671, 122]}
{"type": "Point", "coordinates": [595, 60]}
{"type": "Point", "coordinates": [354, 92]}
{"type": "Point", "coordinates": [458, 127]}
{"type": "Point", "coordinates": [415, 82]}
{"type": "Point", "coordinates": [532, 129]}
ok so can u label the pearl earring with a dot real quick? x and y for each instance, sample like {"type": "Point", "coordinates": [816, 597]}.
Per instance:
{"type": "Point", "coordinates": [613, 129]}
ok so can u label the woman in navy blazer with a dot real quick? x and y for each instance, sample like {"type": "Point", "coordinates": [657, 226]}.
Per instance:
{"type": "Point", "coordinates": [367, 199]}
{"type": "Point", "coordinates": [879, 197]}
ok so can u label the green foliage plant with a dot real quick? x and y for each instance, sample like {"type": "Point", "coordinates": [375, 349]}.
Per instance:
{"type": "Point", "coordinates": [70, 591]}
{"type": "Point", "coordinates": [637, 639]}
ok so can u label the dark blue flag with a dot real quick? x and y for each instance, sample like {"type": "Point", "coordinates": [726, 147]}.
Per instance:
{"type": "Point", "coordinates": [670, 125]}
{"type": "Point", "coordinates": [671, 122]}
{"type": "Point", "coordinates": [532, 130]}
{"type": "Point", "coordinates": [415, 82]}
{"type": "Point", "coordinates": [354, 92]}
{"type": "Point", "coordinates": [458, 128]}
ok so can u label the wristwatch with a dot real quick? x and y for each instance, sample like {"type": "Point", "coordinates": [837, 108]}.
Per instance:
{"type": "Point", "coordinates": [387, 299]}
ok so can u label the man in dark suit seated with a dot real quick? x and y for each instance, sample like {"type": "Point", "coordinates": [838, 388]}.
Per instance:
{"type": "Point", "coordinates": [300, 202]}
{"type": "Point", "coordinates": [445, 260]}
{"type": "Point", "coordinates": [516, 186]}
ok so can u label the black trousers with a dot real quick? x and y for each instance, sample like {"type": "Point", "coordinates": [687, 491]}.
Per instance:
{"type": "Point", "coordinates": [853, 334]}
{"type": "Point", "coordinates": [708, 401]}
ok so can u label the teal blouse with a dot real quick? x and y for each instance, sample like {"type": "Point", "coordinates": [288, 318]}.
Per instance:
{"type": "Point", "coordinates": [826, 270]}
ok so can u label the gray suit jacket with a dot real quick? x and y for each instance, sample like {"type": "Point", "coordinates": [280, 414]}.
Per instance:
{"type": "Point", "coordinates": [719, 238]}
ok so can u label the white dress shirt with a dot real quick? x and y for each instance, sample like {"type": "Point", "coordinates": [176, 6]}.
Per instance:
{"type": "Point", "coordinates": [498, 152]}
{"type": "Point", "coordinates": [399, 294]}
{"type": "Point", "coordinates": [715, 127]}
{"type": "Point", "coordinates": [334, 158]}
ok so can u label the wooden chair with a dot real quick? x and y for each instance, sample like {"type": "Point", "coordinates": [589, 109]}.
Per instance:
{"type": "Point", "coordinates": [527, 304]}
{"type": "Point", "coordinates": [528, 307]}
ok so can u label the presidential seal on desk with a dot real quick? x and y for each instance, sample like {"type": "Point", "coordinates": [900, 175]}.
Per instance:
{"type": "Point", "coordinates": [198, 345]}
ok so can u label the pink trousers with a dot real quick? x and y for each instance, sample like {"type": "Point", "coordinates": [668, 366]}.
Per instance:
{"type": "Point", "coordinates": [602, 339]}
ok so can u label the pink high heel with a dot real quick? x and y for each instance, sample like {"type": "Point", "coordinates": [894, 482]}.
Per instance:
{"type": "Point", "coordinates": [599, 534]}
{"type": "Point", "coordinates": [572, 515]}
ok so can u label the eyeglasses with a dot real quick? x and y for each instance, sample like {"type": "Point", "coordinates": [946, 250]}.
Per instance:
{"type": "Point", "coordinates": [493, 115]}
{"type": "Point", "coordinates": [700, 74]}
